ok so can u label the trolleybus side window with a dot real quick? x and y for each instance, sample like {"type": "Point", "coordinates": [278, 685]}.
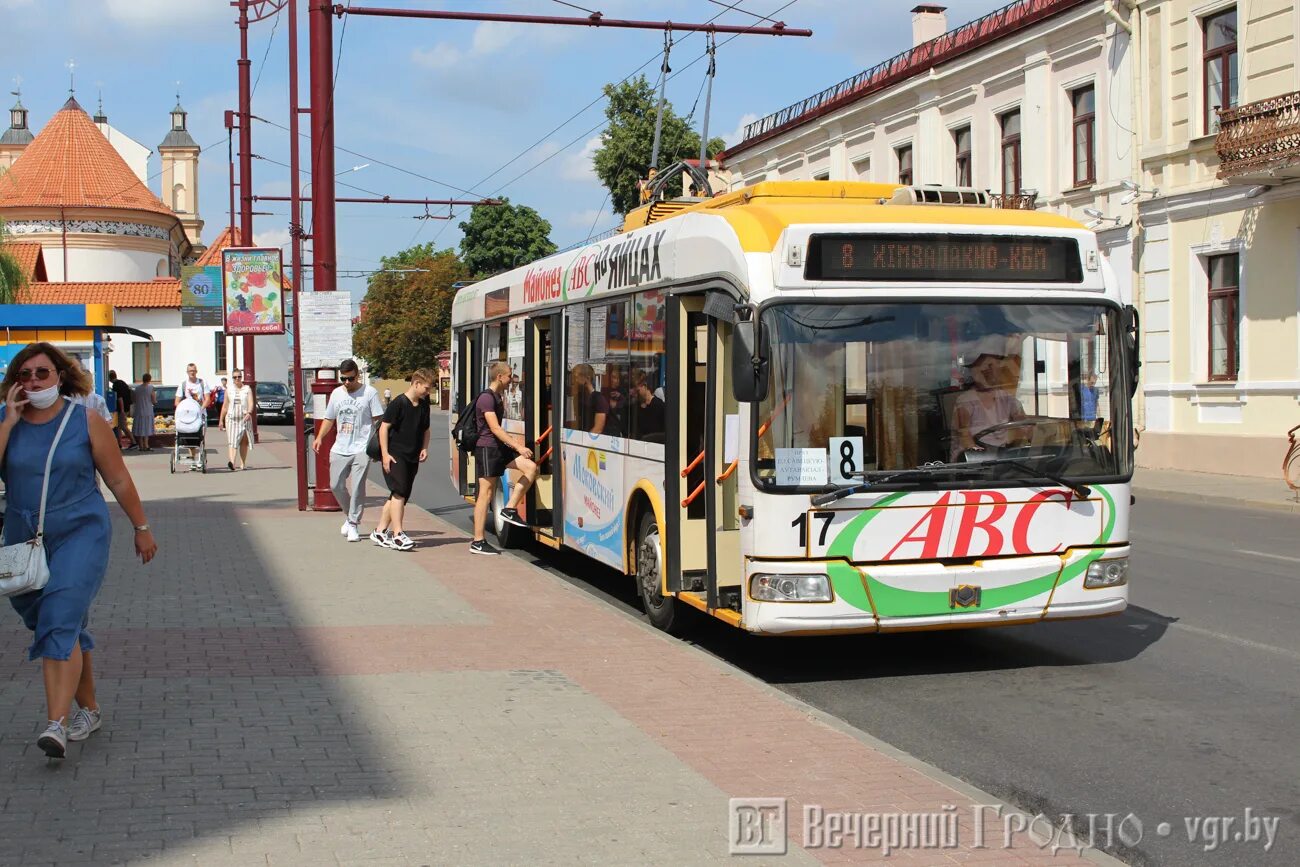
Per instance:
{"type": "Point", "coordinates": [644, 417]}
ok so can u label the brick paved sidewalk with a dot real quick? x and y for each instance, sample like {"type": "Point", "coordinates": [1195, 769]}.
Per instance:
{"type": "Point", "coordinates": [274, 695]}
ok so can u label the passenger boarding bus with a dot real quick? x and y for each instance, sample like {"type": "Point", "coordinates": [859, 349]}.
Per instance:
{"type": "Point", "coordinates": [815, 407]}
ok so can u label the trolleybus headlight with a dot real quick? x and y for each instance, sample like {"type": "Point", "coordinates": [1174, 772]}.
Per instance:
{"type": "Point", "coordinates": [790, 588]}
{"type": "Point", "coordinates": [1107, 573]}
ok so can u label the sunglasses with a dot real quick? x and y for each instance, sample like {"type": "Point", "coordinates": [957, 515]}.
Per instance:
{"type": "Point", "coordinates": [40, 374]}
{"type": "Point", "coordinates": [348, 378]}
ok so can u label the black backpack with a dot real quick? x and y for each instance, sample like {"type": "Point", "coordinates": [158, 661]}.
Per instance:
{"type": "Point", "coordinates": [465, 432]}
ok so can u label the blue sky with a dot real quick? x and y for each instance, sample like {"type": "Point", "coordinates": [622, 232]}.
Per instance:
{"type": "Point", "coordinates": [452, 101]}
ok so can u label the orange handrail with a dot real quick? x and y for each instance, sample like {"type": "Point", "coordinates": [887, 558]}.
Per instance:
{"type": "Point", "coordinates": [731, 468]}
{"type": "Point", "coordinates": [543, 458]}
{"type": "Point", "coordinates": [692, 465]}
{"type": "Point", "coordinates": [695, 493]}
{"type": "Point", "coordinates": [544, 434]}
{"type": "Point", "coordinates": [762, 429]}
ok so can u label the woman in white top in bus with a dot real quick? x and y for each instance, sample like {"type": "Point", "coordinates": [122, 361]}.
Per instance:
{"type": "Point", "coordinates": [590, 404]}
{"type": "Point", "coordinates": [195, 389]}
{"type": "Point", "coordinates": [237, 420]}
{"type": "Point", "coordinates": [987, 404]}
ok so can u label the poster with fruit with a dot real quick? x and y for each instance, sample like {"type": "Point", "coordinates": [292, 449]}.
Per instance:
{"type": "Point", "coordinates": [254, 290]}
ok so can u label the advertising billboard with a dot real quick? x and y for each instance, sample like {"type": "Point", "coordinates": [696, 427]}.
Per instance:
{"type": "Point", "coordinates": [253, 290]}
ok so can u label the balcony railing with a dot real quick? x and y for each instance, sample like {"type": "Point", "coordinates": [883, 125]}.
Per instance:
{"type": "Point", "coordinates": [1259, 138]}
{"type": "Point", "coordinates": [1014, 201]}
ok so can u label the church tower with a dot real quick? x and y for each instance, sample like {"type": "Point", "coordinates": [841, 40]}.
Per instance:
{"type": "Point", "coordinates": [15, 140]}
{"type": "Point", "coordinates": [180, 174]}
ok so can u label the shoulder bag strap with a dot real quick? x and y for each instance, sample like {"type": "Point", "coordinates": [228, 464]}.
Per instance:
{"type": "Point", "coordinates": [49, 461]}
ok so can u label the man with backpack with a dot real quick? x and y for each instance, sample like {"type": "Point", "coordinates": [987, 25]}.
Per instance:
{"type": "Point", "coordinates": [495, 451]}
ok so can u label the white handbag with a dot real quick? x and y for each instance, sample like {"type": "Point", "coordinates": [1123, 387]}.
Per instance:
{"type": "Point", "coordinates": [23, 567]}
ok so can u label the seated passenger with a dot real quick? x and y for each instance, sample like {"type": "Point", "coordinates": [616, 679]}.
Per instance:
{"type": "Point", "coordinates": [987, 404]}
{"type": "Point", "coordinates": [591, 406]}
{"type": "Point", "coordinates": [650, 424]}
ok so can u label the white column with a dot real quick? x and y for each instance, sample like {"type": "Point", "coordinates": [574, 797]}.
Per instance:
{"type": "Point", "coordinates": [1038, 164]}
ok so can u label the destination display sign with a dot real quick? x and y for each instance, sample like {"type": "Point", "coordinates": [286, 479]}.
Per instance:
{"type": "Point", "coordinates": [943, 258]}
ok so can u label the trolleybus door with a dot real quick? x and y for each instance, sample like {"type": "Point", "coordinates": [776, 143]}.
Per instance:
{"type": "Point", "coordinates": [542, 356]}
{"type": "Point", "coordinates": [702, 551]}
{"type": "Point", "coordinates": [469, 382]}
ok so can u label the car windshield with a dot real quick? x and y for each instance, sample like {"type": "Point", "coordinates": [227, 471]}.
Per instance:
{"type": "Point", "coordinates": [164, 394]}
{"type": "Point", "coordinates": [858, 389]}
{"type": "Point", "coordinates": [272, 389]}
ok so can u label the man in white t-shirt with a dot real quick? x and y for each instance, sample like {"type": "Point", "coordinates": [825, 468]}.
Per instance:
{"type": "Point", "coordinates": [196, 389]}
{"type": "Point", "coordinates": [355, 408]}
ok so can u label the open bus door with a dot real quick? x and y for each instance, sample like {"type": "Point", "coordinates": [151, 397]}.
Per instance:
{"type": "Point", "coordinates": [702, 550]}
{"type": "Point", "coordinates": [469, 382]}
{"type": "Point", "coordinates": [542, 356]}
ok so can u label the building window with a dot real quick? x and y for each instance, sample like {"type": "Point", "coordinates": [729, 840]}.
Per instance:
{"type": "Point", "coordinates": [146, 358]}
{"type": "Point", "coordinates": [1225, 315]}
{"type": "Point", "coordinates": [904, 165]}
{"type": "Point", "coordinates": [961, 138]}
{"type": "Point", "coordinates": [1220, 65]}
{"type": "Point", "coordinates": [1084, 101]}
{"type": "Point", "coordinates": [219, 351]}
{"type": "Point", "coordinates": [1010, 153]}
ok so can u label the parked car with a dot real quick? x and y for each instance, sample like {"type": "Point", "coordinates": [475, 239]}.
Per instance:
{"type": "Point", "coordinates": [164, 400]}
{"type": "Point", "coordinates": [274, 402]}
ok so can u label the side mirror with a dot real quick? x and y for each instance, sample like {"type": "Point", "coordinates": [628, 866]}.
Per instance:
{"type": "Point", "coordinates": [749, 370]}
{"type": "Point", "coordinates": [1132, 328]}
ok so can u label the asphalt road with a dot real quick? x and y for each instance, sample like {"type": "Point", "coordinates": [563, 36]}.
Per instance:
{"type": "Point", "coordinates": [1184, 708]}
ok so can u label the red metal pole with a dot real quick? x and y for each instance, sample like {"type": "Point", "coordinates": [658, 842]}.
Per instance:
{"type": "Point", "coordinates": [594, 20]}
{"type": "Point", "coordinates": [295, 227]}
{"type": "Point", "coordinates": [389, 200]}
{"type": "Point", "coordinates": [321, 32]}
{"type": "Point", "coordinates": [246, 180]}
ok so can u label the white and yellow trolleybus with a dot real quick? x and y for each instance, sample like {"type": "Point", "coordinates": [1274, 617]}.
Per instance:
{"type": "Point", "coordinates": [815, 407]}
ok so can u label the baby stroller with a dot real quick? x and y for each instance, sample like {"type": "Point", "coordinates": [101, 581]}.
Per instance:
{"type": "Point", "coordinates": [191, 424]}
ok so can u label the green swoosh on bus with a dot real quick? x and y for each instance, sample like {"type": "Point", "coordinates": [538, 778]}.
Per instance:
{"type": "Point", "coordinates": [851, 583]}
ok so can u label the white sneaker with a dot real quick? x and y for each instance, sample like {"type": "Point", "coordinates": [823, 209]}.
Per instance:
{"type": "Point", "coordinates": [84, 724]}
{"type": "Point", "coordinates": [54, 740]}
{"type": "Point", "coordinates": [343, 531]}
{"type": "Point", "coordinates": [380, 539]}
{"type": "Point", "coordinates": [401, 542]}
{"type": "Point", "coordinates": [352, 532]}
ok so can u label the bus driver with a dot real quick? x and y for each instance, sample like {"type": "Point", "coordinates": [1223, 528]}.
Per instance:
{"type": "Point", "coordinates": [988, 403]}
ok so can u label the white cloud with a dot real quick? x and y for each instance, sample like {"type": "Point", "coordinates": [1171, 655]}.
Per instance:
{"type": "Point", "coordinates": [441, 56]}
{"type": "Point", "coordinates": [737, 135]}
{"type": "Point", "coordinates": [271, 238]}
{"type": "Point", "coordinates": [578, 167]}
{"type": "Point", "coordinates": [169, 14]}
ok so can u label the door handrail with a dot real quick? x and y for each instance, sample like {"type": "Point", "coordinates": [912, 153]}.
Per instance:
{"type": "Point", "coordinates": [543, 435]}
{"type": "Point", "coordinates": [731, 468]}
{"type": "Point", "coordinates": [690, 468]}
{"type": "Point", "coordinates": [699, 489]}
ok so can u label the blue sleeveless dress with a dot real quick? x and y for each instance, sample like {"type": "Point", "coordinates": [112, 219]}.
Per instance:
{"type": "Point", "coordinates": [77, 529]}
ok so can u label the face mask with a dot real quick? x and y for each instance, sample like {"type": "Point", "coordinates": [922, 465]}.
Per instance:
{"type": "Point", "coordinates": [45, 398]}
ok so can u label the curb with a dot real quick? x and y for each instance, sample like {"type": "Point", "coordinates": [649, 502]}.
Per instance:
{"type": "Point", "coordinates": [973, 793]}
{"type": "Point", "coordinates": [1220, 499]}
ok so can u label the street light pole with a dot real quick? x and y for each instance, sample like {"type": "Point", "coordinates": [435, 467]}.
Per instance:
{"type": "Point", "coordinates": [321, 48]}
{"type": "Point", "coordinates": [246, 178]}
{"type": "Point", "coordinates": [300, 392]}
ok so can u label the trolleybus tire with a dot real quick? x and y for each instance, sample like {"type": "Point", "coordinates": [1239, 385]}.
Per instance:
{"type": "Point", "coordinates": [663, 612]}
{"type": "Point", "coordinates": [508, 535]}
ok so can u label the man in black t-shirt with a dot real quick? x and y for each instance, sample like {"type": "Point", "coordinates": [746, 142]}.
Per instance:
{"type": "Point", "coordinates": [403, 445]}
{"type": "Point", "coordinates": [649, 416]}
{"type": "Point", "coordinates": [495, 452]}
{"type": "Point", "coordinates": [122, 392]}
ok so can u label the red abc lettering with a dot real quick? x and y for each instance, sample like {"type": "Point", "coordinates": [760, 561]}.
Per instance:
{"type": "Point", "coordinates": [970, 522]}
{"type": "Point", "coordinates": [934, 517]}
{"type": "Point", "coordinates": [1020, 532]}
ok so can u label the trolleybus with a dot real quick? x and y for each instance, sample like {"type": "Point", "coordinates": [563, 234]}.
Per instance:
{"type": "Point", "coordinates": [813, 407]}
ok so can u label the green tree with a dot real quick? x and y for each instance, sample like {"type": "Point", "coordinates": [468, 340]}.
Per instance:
{"type": "Point", "coordinates": [13, 282]}
{"type": "Point", "coordinates": [626, 145]}
{"type": "Point", "coordinates": [500, 237]}
{"type": "Point", "coordinates": [407, 310]}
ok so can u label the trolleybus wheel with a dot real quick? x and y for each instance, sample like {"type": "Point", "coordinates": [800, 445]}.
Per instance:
{"type": "Point", "coordinates": [508, 535]}
{"type": "Point", "coordinates": [662, 611]}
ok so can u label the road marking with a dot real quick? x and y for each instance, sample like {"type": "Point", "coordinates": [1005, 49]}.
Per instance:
{"type": "Point", "coordinates": [1271, 556]}
{"type": "Point", "coordinates": [1209, 633]}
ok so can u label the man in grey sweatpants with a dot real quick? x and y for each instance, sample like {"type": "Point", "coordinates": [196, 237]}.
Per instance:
{"type": "Point", "coordinates": [355, 409]}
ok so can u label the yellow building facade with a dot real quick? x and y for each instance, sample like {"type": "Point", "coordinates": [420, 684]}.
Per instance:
{"type": "Point", "coordinates": [1218, 256]}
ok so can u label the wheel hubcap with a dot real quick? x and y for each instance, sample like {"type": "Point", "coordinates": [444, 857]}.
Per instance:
{"type": "Point", "coordinates": [649, 572]}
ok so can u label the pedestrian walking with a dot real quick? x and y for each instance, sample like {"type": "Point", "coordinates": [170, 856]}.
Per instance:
{"type": "Point", "coordinates": [492, 457]}
{"type": "Point", "coordinates": [50, 452]}
{"type": "Point", "coordinates": [355, 409]}
{"type": "Point", "coordinates": [122, 411]}
{"type": "Point", "coordinates": [237, 421]}
{"type": "Point", "coordinates": [142, 412]}
{"type": "Point", "coordinates": [388, 397]}
{"type": "Point", "coordinates": [404, 445]}
{"type": "Point", "coordinates": [195, 389]}
{"type": "Point", "coordinates": [219, 398]}
{"type": "Point", "coordinates": [91, 400]}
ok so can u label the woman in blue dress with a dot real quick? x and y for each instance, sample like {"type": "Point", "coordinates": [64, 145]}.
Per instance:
{"type": "Point", "coordinates": [36, 390]}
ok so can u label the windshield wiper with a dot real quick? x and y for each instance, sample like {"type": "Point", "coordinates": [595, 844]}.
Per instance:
{"type": "Point", "coordinates": [927, 470]}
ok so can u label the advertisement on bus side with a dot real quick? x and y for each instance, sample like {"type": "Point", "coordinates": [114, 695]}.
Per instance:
{"type": "Point", "coordinates": [593, 507]}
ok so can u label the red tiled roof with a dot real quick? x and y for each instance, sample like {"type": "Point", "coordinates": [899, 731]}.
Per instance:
{"type": "Point", "coordinates": [164, 292]}
{"type": "Point", "coordinates": [28, 256]}
{"type": "Point", "coordinates": [70, 164]}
